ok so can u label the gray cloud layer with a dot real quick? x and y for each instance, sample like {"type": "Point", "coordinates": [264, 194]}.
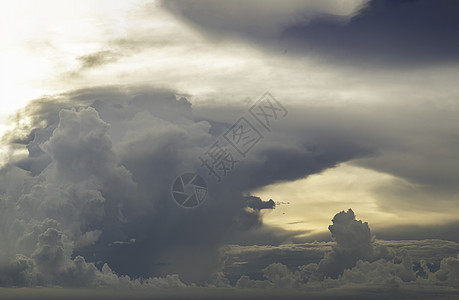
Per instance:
{"type": "Point", "coordinates": [90, 205]}
{"type": "Point", "coordinates": [399, 33]}
{"type": "Point", "coordinates": [96, 186]}
{"type": "Point", "coordinates": [357, 260]}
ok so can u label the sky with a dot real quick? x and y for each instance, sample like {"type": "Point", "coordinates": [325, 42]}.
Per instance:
{"type": "Point", "coordinates": [334, 124]}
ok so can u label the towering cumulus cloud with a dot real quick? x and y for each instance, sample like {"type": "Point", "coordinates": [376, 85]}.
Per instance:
{"type": "Point", "coordinates": [93, 193]}
{"type": "Point", "coordinates": [79, 198]}
{"type": "Point", "coordinates": [90, 204]}
{"type": "Point", "coordinates": [66, 206]}
{"type": "Point", "coordinates": [354, 242]}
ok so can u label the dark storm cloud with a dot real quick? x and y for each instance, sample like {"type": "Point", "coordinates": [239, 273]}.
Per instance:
{"type": "Point", "coordinates": [93, 197]}
{"type": "Point", "coordinates": [413, 33]}
{"type": "Point", "coordinates": [401, 33]}
{"type": "Point", "coordinates": [399, 139]}
{"type": "Point", "coordinates": [100, 166]}
{"type": "Point", "coordinates": [309, 141]}
{"type": "Point", "coordinates": [257, 18]}
{"type": "Point", "coordinates": [101, 189]}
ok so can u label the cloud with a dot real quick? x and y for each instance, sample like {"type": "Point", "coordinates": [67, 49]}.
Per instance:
{"type": "Point", "coordinates": [90, 206]}
{"type": "Point", "coordinates": [83, 191]}
{"type": "Point", "coordinates": [257, 18]}
{"type": "Point", "coordinates": [258, 204]}
{"type": "Point", "coordinates": [85, 196]}
{"type": "Point", "coordinates": [378, 32]}
{"type": "Point", "coordinates": [385, 31]}
{"type": "Point", "coordinates": [98, 172]}
{"type": "Point", "coordinates": [97, 59]}
{"type": "Point", "coordinates": [394, 139]}
{"type": "Point", "coordinates": [51, 264]}
{"type": "Point", "coordinates": [380, 272]}
{"type": "Point", "coordinates": [446, 231]}
{"type": "Point", "coordinates": [353, 242]}
{"type": "Point", "coordinates": [102, 160]}
{"type": "Point", "coordinates": [357, 261]}
{"type": "Point", "coordinates": [448, 273]}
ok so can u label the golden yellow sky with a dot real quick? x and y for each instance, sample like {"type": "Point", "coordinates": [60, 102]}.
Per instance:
{"type": "Point", "coordinates": [314, 199]}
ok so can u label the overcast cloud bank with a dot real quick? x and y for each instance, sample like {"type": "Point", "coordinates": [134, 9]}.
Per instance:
{"type": "Point", "coordinates": [81, 210]}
